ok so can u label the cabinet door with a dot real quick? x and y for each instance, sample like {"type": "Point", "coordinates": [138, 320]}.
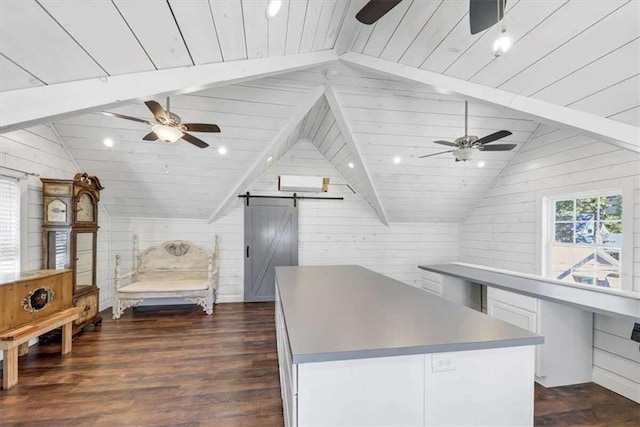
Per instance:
{"type": "Point", "coordinates": [516, 316]}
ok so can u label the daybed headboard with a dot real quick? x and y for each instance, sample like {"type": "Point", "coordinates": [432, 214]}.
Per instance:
{"type": "Point", "coordinates": [174, 255]}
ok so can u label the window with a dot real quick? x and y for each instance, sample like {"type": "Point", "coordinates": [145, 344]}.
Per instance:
{"type": "Point", "coordinates": [9, 225]}
{"type": "Point", "coordinates": [586, 239]}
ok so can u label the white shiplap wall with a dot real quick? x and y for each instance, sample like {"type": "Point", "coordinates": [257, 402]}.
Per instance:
{"type": "Point", "coordinates": [330, 232]}
{"type": "Point", "coordinates": [502, 229]}
{"type": "Point", "coordinates": [38, 150]}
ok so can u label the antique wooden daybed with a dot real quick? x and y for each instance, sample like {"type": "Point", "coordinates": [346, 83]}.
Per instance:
{"type": "Point", "coordinates": [175, 269]}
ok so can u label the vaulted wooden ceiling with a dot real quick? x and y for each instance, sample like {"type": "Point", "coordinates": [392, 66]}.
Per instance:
{"type": "Point", "coordinates": [580, 54]}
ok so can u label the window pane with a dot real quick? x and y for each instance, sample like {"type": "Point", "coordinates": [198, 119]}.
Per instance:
{"type": "Point", "coordinates": [564, 210]}
{"type": "Point", "coordinates": [564, 232]}
{"type": "Point", "coordinates": [608, 268]}
{"type": "Point", "coordinates": [561, 268]}
{"type": "Point", "coordinates": [611, 232]}
{"type": "Point", "coordinates": [585, 232]}
{"type": "Point", "coordinates": [583, 265]}
{"type": "Point", "coordinates": [586, 209]}
{"type": "Point", "coordinates": [611, 207]}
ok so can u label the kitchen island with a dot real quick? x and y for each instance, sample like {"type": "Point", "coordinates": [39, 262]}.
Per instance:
{"type": "Point", "coordinates": [358, 348]}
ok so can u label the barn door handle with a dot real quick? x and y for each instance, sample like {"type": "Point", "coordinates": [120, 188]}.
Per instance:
{"type": "Point", "coordinates": [247, 251]}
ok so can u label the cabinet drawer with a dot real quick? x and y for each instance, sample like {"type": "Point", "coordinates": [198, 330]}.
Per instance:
{"type": "Point", "coordinates": [515, 315]}
{"type": "Point", "coordinates": [430, 286]}
{"type": "Point", "coordinates": [89, 304]}
{"type": "Point", "coordinates": [521, 301]}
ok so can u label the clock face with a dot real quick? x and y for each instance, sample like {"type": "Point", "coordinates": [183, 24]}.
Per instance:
{"type": "Point", "coordinates": [57, 211]}
{"type": "Point", "coordinates": [85, 208]}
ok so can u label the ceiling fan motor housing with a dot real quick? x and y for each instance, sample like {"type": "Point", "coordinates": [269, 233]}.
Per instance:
{"type": "Point", "coordinates": [466, 141]}
{"type": "Point", "coordinates": [171, 119]}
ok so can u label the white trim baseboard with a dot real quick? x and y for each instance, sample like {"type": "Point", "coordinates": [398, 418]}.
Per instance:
{"type": "Point", "coordinates": [616, 383]}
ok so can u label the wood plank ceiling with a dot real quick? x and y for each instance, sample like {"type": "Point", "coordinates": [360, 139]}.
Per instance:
{"type": "Point", "coordinates": [582, 54]}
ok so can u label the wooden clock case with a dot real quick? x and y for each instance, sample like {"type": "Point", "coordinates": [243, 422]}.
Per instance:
{"type": "Point", "coordinates": [69, 238]}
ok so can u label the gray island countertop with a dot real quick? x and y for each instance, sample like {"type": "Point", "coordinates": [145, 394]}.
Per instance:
{"type": "Point", "coordinates": [349, 312]}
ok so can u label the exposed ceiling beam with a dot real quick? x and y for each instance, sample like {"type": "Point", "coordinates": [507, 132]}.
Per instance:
{"type": "Point", "coordinates": [338, 114]}
{"type": "Point", "coordinates": [606, 130]}
{"type": "Point", "coordinates": [259, 166]}
{"type": "Point", "coordinates": [27, 107]}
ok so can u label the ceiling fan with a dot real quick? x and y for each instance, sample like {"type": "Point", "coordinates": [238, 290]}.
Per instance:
{"type": "Point", "coordinates": [467, 145]}
{"type": "Point", "coordinates": [169, 126]}
{"type": "Point", "coordinates": [482, 13]}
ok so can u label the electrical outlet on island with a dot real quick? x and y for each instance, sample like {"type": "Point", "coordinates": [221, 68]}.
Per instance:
{"type": "Point", "coordinates": [443, 362]}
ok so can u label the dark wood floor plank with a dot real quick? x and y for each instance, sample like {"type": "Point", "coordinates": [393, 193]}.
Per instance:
{"type": "Point", "coordinates": [179, 367]}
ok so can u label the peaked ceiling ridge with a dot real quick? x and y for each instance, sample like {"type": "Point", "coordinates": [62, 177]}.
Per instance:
{"type": "Point", "coordinates": [338, 113]}
{"type": "Point", "coordinates": [262, 162]}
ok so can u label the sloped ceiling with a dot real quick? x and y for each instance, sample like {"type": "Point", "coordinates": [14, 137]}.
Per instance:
{"type": "Point", "coordinates": [578, 53]}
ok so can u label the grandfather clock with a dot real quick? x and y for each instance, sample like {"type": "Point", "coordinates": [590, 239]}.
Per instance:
{"type": "Point", "coordinates": [69, 238]}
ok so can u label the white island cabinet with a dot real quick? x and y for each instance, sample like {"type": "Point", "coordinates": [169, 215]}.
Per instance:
{"type": "Point", "coordinates": [357, 348]}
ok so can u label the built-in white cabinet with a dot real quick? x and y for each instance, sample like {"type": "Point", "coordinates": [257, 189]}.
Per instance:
{"type": "Point", "coordinates": [566, 355]}
{"type": "Point", "coordinates": [451, 288]}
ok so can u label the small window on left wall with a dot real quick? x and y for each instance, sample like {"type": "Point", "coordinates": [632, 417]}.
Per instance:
{"type": "Point", "coordinates": [9, 225]}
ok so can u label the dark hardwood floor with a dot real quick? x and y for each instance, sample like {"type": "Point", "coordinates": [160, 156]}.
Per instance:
{"type": "Point", "coordinates": [181, 367]}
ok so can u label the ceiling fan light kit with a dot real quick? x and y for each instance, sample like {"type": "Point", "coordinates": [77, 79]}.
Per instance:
{"type": "Point", "coordinates": [273, 7]}
{"type": "Point", "coordinates": [167, 133]}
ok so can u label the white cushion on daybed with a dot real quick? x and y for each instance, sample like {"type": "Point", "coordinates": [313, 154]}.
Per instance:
{"type": "Point", "coordinates": [174, 285]}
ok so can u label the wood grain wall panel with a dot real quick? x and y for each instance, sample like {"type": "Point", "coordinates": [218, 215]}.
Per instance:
{"type": "Point", "coordinates": [381, 34]}
{"type": "Point", "coordinates": [227, 17]}
{"type": "Point", "coordinates": [444, 18]}
{"type": "Point", "coordinates": [277, 31]}
{"type": "Point", "coordinates": [14, 77]}
{"type": "Point", "coordinates": [30, 38]}
{"type": "Point", "coordinates": [596, 41]}
{"type": "Point", "coordinates": [98, 27]}
{"type": "Point", "coordinates": [162, 40]}
{"type": "Point", "coordinates": [312, 16]}
{"type": "Point", "coordinates": [198, 29]}
{"type": "Point", "coordinates": [295, 25]}
{"type": "Point", "coordinates": [325, 18]}
{"type": "Point", "coordinates": [614, 67]}
{"type": "Point", "coordinates": [255, 27]}
{"type": "Point", "coordinates": [417, 17]}
{"type": "Point", "coordinates": [503, 228]}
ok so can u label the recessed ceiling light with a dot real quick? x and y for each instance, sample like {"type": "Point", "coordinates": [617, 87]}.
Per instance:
{"type": "Point", "coordinates": [108, 142]}
{"type": "Point", "coordinates": [222, 150]}
{"type": "Point", "coordinates": [273, 7]}
{"type": "Point", "coordinates": [481, 164]}
{"type": "Point", "coordinates": [396, 160]}
{"type": "Point", "coordinates": [270, 158]}
{"type": "Point", "coordinates": [351, 165]}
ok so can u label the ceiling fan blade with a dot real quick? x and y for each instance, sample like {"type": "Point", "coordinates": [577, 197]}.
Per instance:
{"type": "Point", "coordinates": [150, 137]}
{"type": "Point", "coordinates": [435, 154]}
{"type": "Point", "coordinates": [485, 13]}
{"type": "Point", "coordinates": [498, 147]}
{"type": "Point", "coordinates": [195, 141]}
{"type": "Point", "coordinates": [450, 144]}
{"type": "Point", "coordinates": [375, 10]}
{"type": "Point", "coordinates": [156, 109]}
{"type": "Point", "coordinates": [493, 137]}
{"type": "Point", "coordinates": [120, 116]}
{"type": "Point", "coordinates": [201, 127]}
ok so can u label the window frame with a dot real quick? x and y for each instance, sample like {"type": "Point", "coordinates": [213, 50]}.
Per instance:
{"type": "Point", "coordinates": [22, 250]}
{"type": "Point", "coordinates": [546, 214]}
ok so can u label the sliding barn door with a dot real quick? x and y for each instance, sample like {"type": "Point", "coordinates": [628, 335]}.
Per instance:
{"type": "Point", "coordinates": [271, 240]}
